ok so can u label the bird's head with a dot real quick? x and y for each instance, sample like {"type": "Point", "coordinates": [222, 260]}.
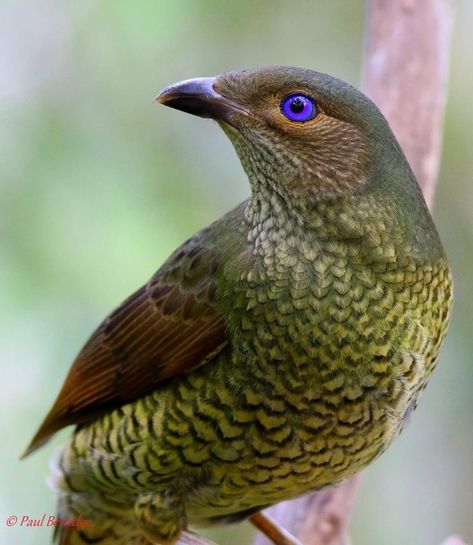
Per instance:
{"type": "Point", "coordinates": [301, 134]}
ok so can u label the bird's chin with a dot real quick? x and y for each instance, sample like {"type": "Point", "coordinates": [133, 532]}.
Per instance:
{"type": "Point", "coordinates": [230, 126]}
{"type": "Point", "coordinates": [233, 130]}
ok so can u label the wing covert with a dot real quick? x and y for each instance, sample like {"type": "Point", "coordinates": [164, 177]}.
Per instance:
{"type": "Point", "coordinates": [166, 328]}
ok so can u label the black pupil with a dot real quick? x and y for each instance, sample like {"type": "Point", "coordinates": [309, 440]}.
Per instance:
{"type": "Point", "coordinates": [297, 105]}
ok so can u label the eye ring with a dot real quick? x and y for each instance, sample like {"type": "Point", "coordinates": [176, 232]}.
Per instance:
{"type": "Point", "coordinates": [298, 107]}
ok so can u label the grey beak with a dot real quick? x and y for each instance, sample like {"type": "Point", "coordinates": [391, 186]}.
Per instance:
{"type": "Point", "coordinates": [198, 97]}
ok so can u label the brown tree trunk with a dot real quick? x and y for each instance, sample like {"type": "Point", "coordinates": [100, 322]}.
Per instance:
{"type": "Point", "coordinates": [405, 73]}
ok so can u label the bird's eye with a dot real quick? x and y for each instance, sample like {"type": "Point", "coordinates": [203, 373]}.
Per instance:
{"type": "Point", "coordinates": [298, 107]}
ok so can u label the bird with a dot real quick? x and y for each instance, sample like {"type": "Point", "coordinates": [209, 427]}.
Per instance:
{"type": "Point", "coordinates": [277, 351]}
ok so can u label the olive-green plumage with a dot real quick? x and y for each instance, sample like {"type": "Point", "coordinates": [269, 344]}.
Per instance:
{"type": "Point", "coordinates": [335, 295]}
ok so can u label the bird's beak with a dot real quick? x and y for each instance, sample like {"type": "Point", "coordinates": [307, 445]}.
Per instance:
{"type": "Point", "coordinates": [198, 97]}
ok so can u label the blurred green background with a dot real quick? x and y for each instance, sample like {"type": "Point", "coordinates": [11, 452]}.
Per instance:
{"type": "Point", "coordinates": [98, 186]}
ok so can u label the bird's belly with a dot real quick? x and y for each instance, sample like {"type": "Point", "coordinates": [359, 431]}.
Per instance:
{"type": "Point", "coordinates": [293, 428]}
{"type": "Point", "coordinates": [269, 471]}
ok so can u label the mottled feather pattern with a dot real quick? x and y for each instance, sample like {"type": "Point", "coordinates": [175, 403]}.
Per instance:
{"type": "Point", "coordinates": [278, 351]}
{"type": "Point", "coordinates": [336, 356]}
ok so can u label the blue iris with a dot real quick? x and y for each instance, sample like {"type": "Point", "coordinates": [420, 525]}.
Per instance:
{"type": "Point", "coordinates": [298, 107]}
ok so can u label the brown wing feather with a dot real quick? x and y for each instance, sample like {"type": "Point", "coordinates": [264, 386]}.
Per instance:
{"type": "Point", "coordinates": [166, 328]}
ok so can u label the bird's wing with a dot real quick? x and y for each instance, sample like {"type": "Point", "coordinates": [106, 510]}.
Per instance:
{"type": "Point", "coordinates": [169, 326]}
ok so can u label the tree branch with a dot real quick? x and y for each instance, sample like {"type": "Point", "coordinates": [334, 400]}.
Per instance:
{"type": "Point", "coordinates": [405, 73]}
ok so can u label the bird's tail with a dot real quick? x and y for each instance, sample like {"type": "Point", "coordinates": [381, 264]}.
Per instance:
{"type": "Point", "coordinates": [112, 532]}
{"type": "Point", "coordinates": [118, 534]}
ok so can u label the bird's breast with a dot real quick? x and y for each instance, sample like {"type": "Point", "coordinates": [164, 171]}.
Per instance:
{"type": "Point", "coordinates": [329, 333]}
